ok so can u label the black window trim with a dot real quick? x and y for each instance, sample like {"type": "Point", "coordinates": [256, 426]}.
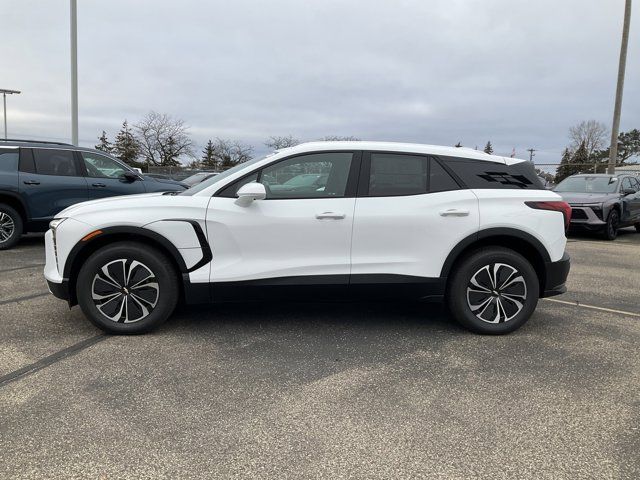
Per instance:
{"type": "Point", "coordinates": [352, 179]}
{"type": "Point", "coordinates": [365, 172]}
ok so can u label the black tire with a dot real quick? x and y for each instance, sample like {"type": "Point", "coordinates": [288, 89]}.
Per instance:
{"type": "Point", "coordinates": [11, 227]}
{"type": "Point", "coordinates": [637, 225]}
{"type": "Point", "coordinates": [157, 294]}
{"type": "Point", "coordinates": [610, 231]}
{"type": "Point", "coordinates": [511, 266]}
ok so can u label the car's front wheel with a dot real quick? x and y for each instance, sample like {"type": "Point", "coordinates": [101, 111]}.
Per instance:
{"type": "Point", "coordinates": [611, 228]}
{"type": "Point", "coordinates": [493, 291]}
{"type": "Point", "coordinates": [127, 288]}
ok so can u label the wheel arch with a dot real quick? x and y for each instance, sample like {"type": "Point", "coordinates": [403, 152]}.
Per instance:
{"type": "Point", "coordinates": [83, 249]}
{"type": "Point", "coordinates": [521, 242]}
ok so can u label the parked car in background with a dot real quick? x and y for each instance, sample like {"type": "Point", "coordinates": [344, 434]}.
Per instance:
{"type": "Point", "coordinates": [387, 220]}
{"type": "Point", "coordinates": [39, 179]}
{"type": "Point", "coordinates": [197, 178]}
{"type": "Point", "coordinates": [602, 203]}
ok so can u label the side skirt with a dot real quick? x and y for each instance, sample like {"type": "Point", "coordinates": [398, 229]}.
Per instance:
{"type": "Point", "coordinates": [325, 288]}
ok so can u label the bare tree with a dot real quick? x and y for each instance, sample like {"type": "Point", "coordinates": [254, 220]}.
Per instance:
{"type": "Point", "coordinates": [278, 143]}
{"type": "Point", "coordinates": [594, 135]}
{"type": "Point", "coordinates": [338, 138]}
{"type": "Point", "coordinates": [228, 153]}
{"type": "Point", "coordinates": [163, 139]}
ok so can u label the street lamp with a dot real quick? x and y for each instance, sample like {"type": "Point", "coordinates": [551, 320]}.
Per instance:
{"type": "Point", "coordinates": [6, 92]}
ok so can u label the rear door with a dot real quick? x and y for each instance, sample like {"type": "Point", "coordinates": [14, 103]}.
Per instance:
{"type": "Point", "coordinates": [633, 201]}
{"type": "Point", "coordinates": [409, 215]}
{"type": "Point", "coordinates": [50, 180]}
{"type": "Point", "coordinates": [105, 176]}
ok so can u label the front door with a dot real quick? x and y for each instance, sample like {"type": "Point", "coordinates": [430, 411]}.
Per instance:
{"type": "Point", "coordinates": [50, 180]}
{"type": "Point", "coordinates": [105, 177]}
{"type": "Point", "coordinates": [299, 235]}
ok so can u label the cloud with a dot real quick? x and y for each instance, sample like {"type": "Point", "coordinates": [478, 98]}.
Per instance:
{"type": "Point", "coordinates": [516, 73]}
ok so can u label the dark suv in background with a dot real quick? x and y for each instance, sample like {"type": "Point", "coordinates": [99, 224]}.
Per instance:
{"type": "Point", "coordinates": [39, 179]}
{"type": "Point", "coordinates": [602, 203]}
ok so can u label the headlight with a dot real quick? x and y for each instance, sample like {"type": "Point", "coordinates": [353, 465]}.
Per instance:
{"type": "Point", "coordinates": [55, 223]}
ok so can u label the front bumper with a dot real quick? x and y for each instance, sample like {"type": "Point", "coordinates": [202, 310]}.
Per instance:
{"type": "Point", "coordinates": [59, 290]}
{"type": "Point", "coordinates": [584, 216]}
{"type": "Point", "coordinates": [556, 276]}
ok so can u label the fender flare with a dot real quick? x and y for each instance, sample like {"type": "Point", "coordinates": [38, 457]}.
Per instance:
{"type": "Point", "coordinates": [488, 233]}
{"type": "Point", "coordinates": [207, 255]}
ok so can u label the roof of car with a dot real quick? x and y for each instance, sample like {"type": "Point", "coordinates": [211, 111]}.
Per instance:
{"type": "Point", "coordinates": [601, 175]}
{"type": "Point", "coordinates": [400, 147]}
{"type": "Point", "coordinates": [42, 144]}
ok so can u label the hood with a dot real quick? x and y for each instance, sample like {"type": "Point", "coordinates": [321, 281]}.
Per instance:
{"type": "Point", "coordinates": [167, 181]}
{"type": "Point", "coordinates": [109, 202]}
{"type": "Point", "coordinates": [581, 198]}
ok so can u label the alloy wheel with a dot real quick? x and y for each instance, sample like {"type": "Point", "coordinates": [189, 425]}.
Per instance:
{"type": "Point", "coordinates": [496, 293]}
{"type": "Point", "coordinates": [125, 291]}
{"type": "Point", "coordinates": [7, 227]}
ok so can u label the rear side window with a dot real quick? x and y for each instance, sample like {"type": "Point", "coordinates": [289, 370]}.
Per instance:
{"type": "Point", "coordinates": [439, 179]}
{"type": "Point", "coordinates": [26, 161]}
{"type": "Point", "coordinates": [55, 162]}
{"type": "Point", "coordinates": [393, 175]}
{"type": "Point", "coordinates": [8, 160]}
{"type": "Point", "coordinates": [484, 174]}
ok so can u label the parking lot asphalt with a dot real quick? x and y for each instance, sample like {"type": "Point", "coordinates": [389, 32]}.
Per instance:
{"type": "Point", "coordinates": [326, 390]}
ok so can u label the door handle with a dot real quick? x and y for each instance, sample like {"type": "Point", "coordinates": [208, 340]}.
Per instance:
{"type": "Point", "coordinates": [31, 182]}
{"type": "Point", "coordinates": [99, 185]}
{"type": "Point", "coordinates": [334, 215]}
{"type": "Point", "coordinates": [454, 212]}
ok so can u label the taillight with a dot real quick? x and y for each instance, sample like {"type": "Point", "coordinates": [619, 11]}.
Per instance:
{"type": "Point", "coordinates": [563, 207]}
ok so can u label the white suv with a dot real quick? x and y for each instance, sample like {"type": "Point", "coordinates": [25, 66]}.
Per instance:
{"type": "Point", "coordinates": [322, 221]}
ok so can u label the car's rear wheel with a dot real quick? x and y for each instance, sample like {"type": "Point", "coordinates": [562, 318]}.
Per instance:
{"type": "Point", "coordinates": [613, 223]}
{"type": "Point", "coordinates": [637, 225]}
{"type": "Point", "coordinates": [11, 226]}
{"type": "Point", "coordinates": [493, 291]}
{"type": "Point", "coordinates": [127, 288]}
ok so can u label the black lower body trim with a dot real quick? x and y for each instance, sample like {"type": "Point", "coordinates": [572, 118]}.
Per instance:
{"type": "Point", "coordinates": [556, 276]}
{"type": "Point", "coordinates": [59, 290]}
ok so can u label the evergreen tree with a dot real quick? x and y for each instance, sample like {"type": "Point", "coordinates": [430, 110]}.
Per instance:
{"type": "Point", "coordinates": [105, 144]}
{"type": "Point", "coordinates": [564, 169]}
{"type": "Point", "coordinates": [570, 164]}
{"type": "Point", "coordinates": [126, 147]}
{"type": "Point", "coordinates": [169, 154]}
{"type": "Point", "coordinates": [209, 159]}
{"type": "Point", "coordinates": [488, 148]}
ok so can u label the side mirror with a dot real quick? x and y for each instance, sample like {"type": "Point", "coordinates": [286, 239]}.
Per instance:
{"type": "Point", "coordinates": [628, 191]}
{"type": "Point", "coordinates": [250, 192]}
{"type": "Point", "coordinates": [130, 177]}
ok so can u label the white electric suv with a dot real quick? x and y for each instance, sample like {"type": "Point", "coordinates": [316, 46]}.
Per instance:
{"type": "Point", "coordinates": [323, 221]}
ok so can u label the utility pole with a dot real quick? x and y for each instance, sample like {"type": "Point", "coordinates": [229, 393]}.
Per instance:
{"type": "Point", "coordinates": [6, 92]}
{"type": "Point", "coordinates": [531, 154]}
{"type": "Point", "coordinates": [74, 71]}
{"type": "Point", "coordinates": [613, 149]}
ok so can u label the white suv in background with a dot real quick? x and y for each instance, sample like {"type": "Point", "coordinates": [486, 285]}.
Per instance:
{"type": "Point", "coordinates": [359, 219]}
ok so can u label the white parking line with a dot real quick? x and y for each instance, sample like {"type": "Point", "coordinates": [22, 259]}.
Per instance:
{"type": "Point", "coordinates": [593, 307]}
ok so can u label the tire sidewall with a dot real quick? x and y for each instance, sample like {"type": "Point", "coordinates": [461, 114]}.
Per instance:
{"type": "Point", "coordinates": [607, 229]}
{"type": "Point", "coordinates": [150, 257]}
{"type": "Point", "coordinates": [464, 271]}
{"type": "Point", "coordinates": [18, 227]}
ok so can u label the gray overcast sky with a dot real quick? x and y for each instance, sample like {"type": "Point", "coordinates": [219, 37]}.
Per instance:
{"type": "Point", "coordinates": [432, 71]}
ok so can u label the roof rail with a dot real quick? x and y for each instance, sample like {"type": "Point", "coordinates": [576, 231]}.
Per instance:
{"type": "Point", "coordinates": [22, 140]}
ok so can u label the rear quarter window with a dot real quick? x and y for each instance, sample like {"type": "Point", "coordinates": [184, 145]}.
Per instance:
{"type": "Point", "coordinates": [483, 174]}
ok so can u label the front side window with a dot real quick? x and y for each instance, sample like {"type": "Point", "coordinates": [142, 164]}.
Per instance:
{"type": "Point", "coordinates": [395, 174]}
{"type": "Point", "coordinates": [55, 162]}
{"type": "Point", "coordinates": [100, 166]}
{"type": "Point", "coordinates": [318, 175]}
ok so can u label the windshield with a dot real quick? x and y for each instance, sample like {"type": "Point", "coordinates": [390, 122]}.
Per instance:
{"type": "Point", "coordinates": [588, 185]}
{"type": "Point", "coordinates": [221, 176]}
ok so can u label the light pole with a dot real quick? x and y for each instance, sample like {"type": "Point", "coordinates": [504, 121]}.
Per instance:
{"type": "Point", "coordinates": [6, 92]}
{"type": "Point", "coordinates": [613, 149]}
{"type": "Point", "coordinates": [74, 71]}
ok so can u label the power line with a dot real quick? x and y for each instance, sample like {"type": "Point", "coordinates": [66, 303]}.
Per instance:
{"type": "Point", "coordinates": [531, 154]}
